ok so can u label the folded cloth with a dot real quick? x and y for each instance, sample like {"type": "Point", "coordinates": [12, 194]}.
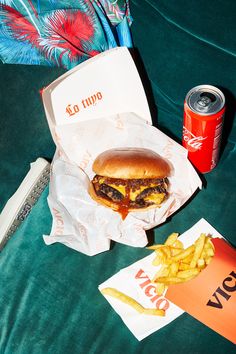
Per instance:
{"type": "Point", "coordinates": [63, 34]}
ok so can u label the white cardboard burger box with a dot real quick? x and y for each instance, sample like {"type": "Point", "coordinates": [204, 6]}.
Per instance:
{"type": "Point", "coordinates": [98, 105]}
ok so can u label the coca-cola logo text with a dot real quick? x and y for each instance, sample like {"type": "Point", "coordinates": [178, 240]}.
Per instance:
{"type": "Point", "coordinates": [192, 141]}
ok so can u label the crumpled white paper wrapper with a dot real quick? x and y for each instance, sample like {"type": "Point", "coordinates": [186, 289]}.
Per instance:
{"type": "Point", "coordinates": [135, 281]}
{"type": "Point", "coordinates": [86, 226]}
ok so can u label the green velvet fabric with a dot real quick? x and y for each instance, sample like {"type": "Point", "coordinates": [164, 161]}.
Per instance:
{"type": "Point", "coordinates": [49, 301]}
{"type": "Point", "coordinates": [184, 44]}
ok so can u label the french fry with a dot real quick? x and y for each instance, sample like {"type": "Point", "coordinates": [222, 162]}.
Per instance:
{"type": "Point", "coordinates": [154, 312]}
{"type": "Point", "coordinates": [132, 302]}
{"type": "Point", "coordinates": [209, 246]}
{"type": "Point", "coordinates": [201, 263]}
{"type": "Point", "coordinates": [167, 251]}
{"type": "Point", "coordinates": [183, 254]}
{"type": "Point", "coordinates": [188, 259]}
{"type": "Point", "coordinates": [155, 247]}
{"type": "Point", "coordinates": [199, 244]}
{"type": "Point", "coordinates": [175, 250]}
{"type": "Point", "coordinates": [203, 254]}
{"type": "Point", "coordinates": [160, 257]}
{"type": "Point", "coordinates": [170, 280]}
{"type": "Point", "coordinates": [178, 244]}
{"type": "Point", "coordinates": [174, 267]}
{"type": "Point", "coordinates": [184, 266]}
{"type": "Point", "coordinates": [189, 273]}
{"type": "Point", "coordinates": [209, 242]}
{"type": "Point", "coordinates": [171, 239]}
{"type": "Point", "coordinates": [123, 297]}
{"type": "Point", "coordinates": [209, 252]}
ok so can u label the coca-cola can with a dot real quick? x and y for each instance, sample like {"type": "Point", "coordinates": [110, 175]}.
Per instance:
{"type": "Point", "coordinates": [204, 109]}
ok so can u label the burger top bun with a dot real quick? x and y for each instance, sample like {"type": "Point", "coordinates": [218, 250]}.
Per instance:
{"type": "Point", "coordinates": [131, 163]}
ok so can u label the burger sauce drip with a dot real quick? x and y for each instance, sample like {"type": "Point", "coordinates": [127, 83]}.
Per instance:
{"type": "Point", "coordinates": [123, 207]}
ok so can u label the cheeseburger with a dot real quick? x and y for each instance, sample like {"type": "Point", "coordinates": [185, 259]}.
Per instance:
{"type": "Point", "coordinates": [130, 179]}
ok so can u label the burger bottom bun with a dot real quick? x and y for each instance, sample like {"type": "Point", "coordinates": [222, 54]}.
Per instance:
{"type": "Point", "coordinates": [114, 206]}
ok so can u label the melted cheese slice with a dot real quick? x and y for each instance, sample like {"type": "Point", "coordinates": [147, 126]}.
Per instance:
{"type": "Point", "coordinates": [120, 188]}
{"type": "Point", "coordinates": [134, 194]}
{"type": "Point", "coordinates": [156, 198]}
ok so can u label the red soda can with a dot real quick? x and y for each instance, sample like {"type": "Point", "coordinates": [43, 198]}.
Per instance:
{"type": "Point", "coordinates": [204, 109]}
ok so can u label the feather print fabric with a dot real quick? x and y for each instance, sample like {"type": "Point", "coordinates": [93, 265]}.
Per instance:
{"type": "Point", "coordinates": [61, 33]}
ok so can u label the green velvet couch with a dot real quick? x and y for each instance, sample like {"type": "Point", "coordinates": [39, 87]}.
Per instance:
{"type": "Point", "coordinates": [49, 301]}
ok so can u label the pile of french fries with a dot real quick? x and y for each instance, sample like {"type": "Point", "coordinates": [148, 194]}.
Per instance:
{"type": "Point", "coordinates": [176, 265]}
{"type": "Point", "coordinates": [179, 265]}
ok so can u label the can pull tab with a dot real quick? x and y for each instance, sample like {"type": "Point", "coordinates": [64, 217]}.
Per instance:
{"type": "Point", "coordinates": [205, 101]}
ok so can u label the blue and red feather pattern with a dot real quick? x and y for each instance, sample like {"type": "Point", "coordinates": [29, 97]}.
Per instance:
{"type": "Point", "coordinates": [47, 33]}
